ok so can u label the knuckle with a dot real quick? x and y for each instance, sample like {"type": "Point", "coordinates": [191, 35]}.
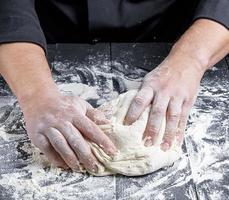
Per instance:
{"type": "Point", "coordinates": [69, 157]}
{"type": "Point", "coordinates": [72, 162]}
{"type": "Point", "coordinates": [183, 93]}
{"type": "Point", "coordinates": [150, 78]}
{"type": "Point", "coordinates": [57, 141]}
{"type": "Point", "coordinates": [168, 137]}
{"type": "Point", "coordinates": [96, 113]}
{"type": "Point", "coordinates": [89, 159]}
{"type": "Point", "coordinates": [66, 126]}
{"type": "Point", "coordinates": [181, 127]}
{"type": "Point", "coordinates": [157, 110]}
{"type": "Point", "coordinates": [180, 131]}
{"type": "Point", "coordinates": [164, 88]}
{"type": "Point", "coordinates": [139, 100]}
{"type": "Point", "coordinates": [39, 141]}
{"type": "Point", "coordinates": [71, 139]}
{"type": "Point", "coordinates": [131, 117]}
{"type": "Point", "coordinates": [174, 116]}
{"type": "Point", "coordinates": [183, 119]}
{"type": "Point", "coordinates": [152, 130]}
{"type": "Point", "coordinates": [180, 136]}
{"type": "Point", "coordinates": [44, 146]}
{"type": "Point", "coordinates": [75, 144]}
{"type": "Point", "coordinates": [147, 78]}
{"type": "Point", "coordinates": [188, 102]}
{"type": "Point", "coordinates": [48, 119]}
{"type": "Point", "coordinates": [103, 141]}
{"type": "Point", "coordinates": [84, 156]}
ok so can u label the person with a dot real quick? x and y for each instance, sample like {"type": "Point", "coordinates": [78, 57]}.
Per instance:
{"type": "Point", "coordinates": [60, 125]}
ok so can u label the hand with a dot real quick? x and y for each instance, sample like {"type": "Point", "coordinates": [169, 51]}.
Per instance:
{"type": "Point", "coordinates": [60, 127]}
{"type": "Point", "coordinates": [172, 89]}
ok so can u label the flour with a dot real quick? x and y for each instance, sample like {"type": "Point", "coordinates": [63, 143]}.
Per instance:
{"type": "Point", "coordinates": [79, 89]}
{"type": "Point", "coordinates": [40, 180]}
{"type": "Point", "coordinates": [51, 182]}
{"type": "Point", "coordinates": [207, 148]}
{"type": "Point", "coordinates": [206, 156]}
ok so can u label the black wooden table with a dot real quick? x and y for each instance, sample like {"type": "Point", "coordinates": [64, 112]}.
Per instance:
{"type": "Point", "coordinates": [107, 70]}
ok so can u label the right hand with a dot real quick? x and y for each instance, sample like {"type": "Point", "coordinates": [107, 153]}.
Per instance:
{"type": "Point", "coordinates": [60, 127]}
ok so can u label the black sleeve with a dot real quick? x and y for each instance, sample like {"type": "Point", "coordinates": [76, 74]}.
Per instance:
{"type": "Point", "coordinates": [216, 10]}
{"type": "Point", "coordinates": [19, 23]}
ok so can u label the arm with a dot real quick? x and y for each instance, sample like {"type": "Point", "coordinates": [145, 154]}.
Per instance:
{"type": "Point", "coordinates": [206, 41]}
{"type": "Point", "coordinates": [25, 69]}
{"type": "Point", "coordinates": [56, 124]}
{"type": "Point", "coordinates": [174, 83]}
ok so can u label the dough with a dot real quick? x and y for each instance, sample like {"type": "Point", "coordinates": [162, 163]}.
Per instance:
{"type": "Point", "coordinates": [133, 158]}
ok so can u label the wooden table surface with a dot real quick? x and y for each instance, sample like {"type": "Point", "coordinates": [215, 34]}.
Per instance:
{"type": "Point", "coordinates": [110, 69]}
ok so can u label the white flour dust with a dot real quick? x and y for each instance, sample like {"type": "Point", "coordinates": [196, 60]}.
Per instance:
{"type": "Point", "coordinates": [46, 182]}
{"type": "Point", "coordinates": [39, 180]}
{"type": "Point", "coordinates": [79, 89]}
{"type": "Point", "coordinates": [205, 144]}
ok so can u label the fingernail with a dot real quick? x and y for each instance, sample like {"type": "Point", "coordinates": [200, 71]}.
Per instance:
{"type": "Point", "coordinates": [180, 139]}
{"type": "Point", "coordinates": [111, 152]}
{"type": "Point", "coordinates": [165, 146]}
{"type": "Point", "coordinates": [76, 168]}
{"type": "Point", "coordinates": [65, 167]}
{"type": "Point", "coordinates": [126, 122]}
{"type": "Point", "coordinates": [102, 121]}
{"type": "Point", "coordinates": [95, 168]}
{"type": "Point", "coordinates": [106, 121]}
{"type": "Point", "coordinates": [60, 165]}
{"type": "Point", "coordinates": [109, 149]}
{"type": "Point", "coordinates": [148, 142]}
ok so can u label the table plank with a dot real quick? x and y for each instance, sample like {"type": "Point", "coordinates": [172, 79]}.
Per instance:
{"type": "Point", "coordinates": [207, 135]}
{"type": "Point", "coordinates": [110, 69]}
{"type": "Point", "coordinates": [130, 63]}
{"type": "Point", "coordinates": [141, 55]}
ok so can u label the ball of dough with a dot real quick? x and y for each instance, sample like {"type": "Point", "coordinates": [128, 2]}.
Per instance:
{"type": "Point", "coordinates": [132, 158]}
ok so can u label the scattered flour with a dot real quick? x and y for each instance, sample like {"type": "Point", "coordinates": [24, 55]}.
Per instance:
{"type": "Point", "coordinates": [40, 181]}
{"type": "Point", "coordinates": [79, 89]}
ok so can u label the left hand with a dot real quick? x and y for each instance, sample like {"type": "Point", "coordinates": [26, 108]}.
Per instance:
{"type": "Point", "coordinates": [171, 88]}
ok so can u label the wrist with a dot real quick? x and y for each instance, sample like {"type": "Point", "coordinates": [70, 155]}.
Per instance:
{"type": "Point", "coordinates": [26, 70]}
{"type": "Point", "coordinates": [37, 93]}
{"type": "Point", "coordinates": [187, 56]}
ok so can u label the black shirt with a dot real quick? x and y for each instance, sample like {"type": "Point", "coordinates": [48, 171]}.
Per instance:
{"type": "Point", "coordinates": [104, 20]}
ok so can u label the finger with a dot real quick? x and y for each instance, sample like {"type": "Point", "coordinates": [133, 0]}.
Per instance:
{"type": "Point", "coordinates": [61, 146]}
{"type": "Point", "coordinates": [156, 117]}
{"type": "Point", "coordinates": [183, 122]}
{"type": "Point", "coordinates": [46, 148]}
{"type": "Point", "coordinates": [92, 132]}
{"type": "Point", "coordinates": [172, 120]}
{"type": "Point", "coordinates": [96, 116]}
{"type": "Point", "coordinates": [138, 105]}
{"type": "Point", "coordinates": [80, 147]}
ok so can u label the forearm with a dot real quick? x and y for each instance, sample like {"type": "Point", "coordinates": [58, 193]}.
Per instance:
{"type": "Point", "coordinates": [204, 44]}
{"type": "Point", "coordinates": [25, 69]}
